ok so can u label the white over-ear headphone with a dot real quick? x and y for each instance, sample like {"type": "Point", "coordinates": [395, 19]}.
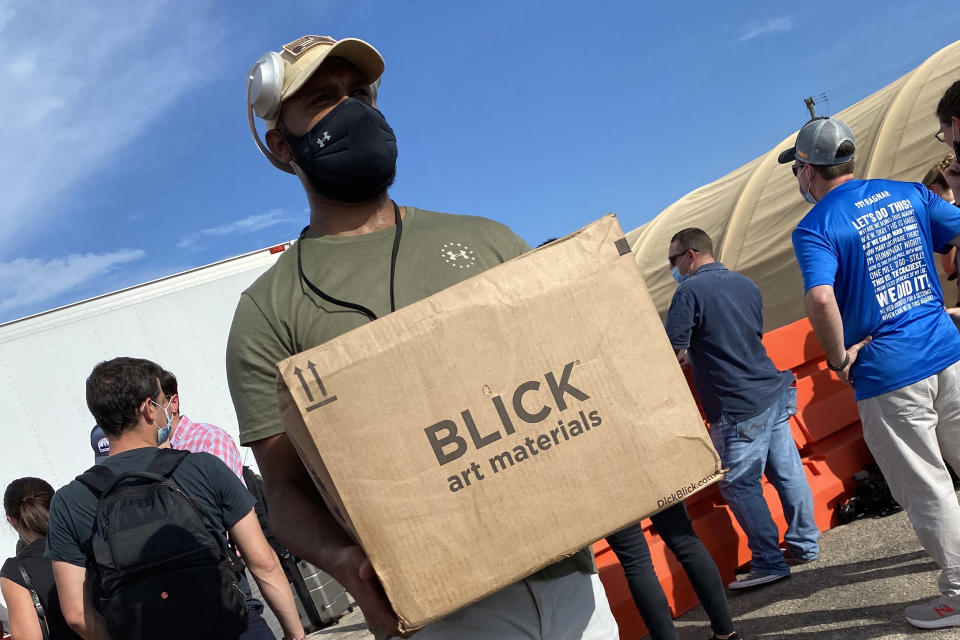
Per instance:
{"type": "Point", "coordinates": [264, 86]}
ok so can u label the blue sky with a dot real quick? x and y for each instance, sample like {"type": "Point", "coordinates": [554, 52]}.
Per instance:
{"type": "Point", "coordinates": [127, 155]}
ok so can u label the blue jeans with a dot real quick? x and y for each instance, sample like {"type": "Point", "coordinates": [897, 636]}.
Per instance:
{"type": "Point", "coordinates": [764, 444]}
{"type": "Point", "coordinates": [673, 525]}
{"type": "Point", "coordinates": [257, 627]}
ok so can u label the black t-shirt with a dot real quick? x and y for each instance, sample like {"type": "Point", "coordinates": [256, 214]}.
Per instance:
{"type": "Point", "coordinates": [222, 498]}
{"type": "Point", "coordinates": [41, 575]}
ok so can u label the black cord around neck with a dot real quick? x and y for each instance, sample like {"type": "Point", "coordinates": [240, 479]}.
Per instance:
{"type": "Point", "coordinates": [346, 303]}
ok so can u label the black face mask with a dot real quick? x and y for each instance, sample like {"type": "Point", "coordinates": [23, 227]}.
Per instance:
{"type": "Point", "coordinates": [350, 155]}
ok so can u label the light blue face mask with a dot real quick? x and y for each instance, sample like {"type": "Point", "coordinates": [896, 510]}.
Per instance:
{"type": "Point", "coordinates": [806, 194]}
{"type": "Point", "coordinates": [679, 277]}
{"type": "Point", "coordinates": [163, 433]}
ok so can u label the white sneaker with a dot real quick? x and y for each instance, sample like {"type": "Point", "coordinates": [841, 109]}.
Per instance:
{"type": "Point", "coordinates": [938, 613]}
{"type": "Point", "coordinates": [755, 579]}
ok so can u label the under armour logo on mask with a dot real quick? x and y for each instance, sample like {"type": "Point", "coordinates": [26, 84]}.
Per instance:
{"type": "Point", "coordinates": [324, 138]}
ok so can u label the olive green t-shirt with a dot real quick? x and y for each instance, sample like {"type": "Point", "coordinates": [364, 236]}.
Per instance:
{"type": "Point", "coordinates": [279, 315]}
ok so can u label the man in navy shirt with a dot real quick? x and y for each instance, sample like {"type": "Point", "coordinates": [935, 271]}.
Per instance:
{"type": "Point", "coordinates": [866, 253]}
{"type": "Point", "coordinates": [717, 316]}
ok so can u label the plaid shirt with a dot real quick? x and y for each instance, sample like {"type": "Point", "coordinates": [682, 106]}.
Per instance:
{"type": "Point", "coordinates": [197, 436]}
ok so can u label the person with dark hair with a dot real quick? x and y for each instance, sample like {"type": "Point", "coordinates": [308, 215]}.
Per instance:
{"type": "Point", "coordinates": [716, 318]}
{"type": "Point", "coordinates": [675, 529]}
{"type": "Point", "coordinates": [208, 438]}
{"type": "Point", "coordinates": [872, 294]}
{"type": "Point", "coordinates": [948, 114]}
{"type": "Point", "coordinates": [26, 502]}
{"type": "Point", "coordinates": [361, 257]}
{"type": "Point", "coordinates": [127, 402]}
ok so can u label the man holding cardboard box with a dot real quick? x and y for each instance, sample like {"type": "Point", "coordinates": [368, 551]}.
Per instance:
{"type": "Point", "coordinates": [361, 257]}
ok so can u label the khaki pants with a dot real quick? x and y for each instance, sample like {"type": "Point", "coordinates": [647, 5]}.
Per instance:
{"type": "Point", "coordinates": [912, 432]}
{"type": "Point", "coordinates": [573, 607]}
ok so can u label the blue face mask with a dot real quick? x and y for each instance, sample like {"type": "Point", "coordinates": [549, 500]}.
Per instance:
{"type": "Point", "coordinates": [679, 277]}
{"type": "Point", "coordinates": [806, 194]}
{"type": "Point", "coordinates": [163, 433]}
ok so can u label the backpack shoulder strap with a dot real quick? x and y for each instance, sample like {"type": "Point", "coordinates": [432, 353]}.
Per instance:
{"type": "Point", "coordinates": [98, 479]}
{"type": "Point", "coordinates": [166, 462]}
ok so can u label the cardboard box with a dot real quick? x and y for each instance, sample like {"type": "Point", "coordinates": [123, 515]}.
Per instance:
{"type": "Point", "coordinates": [476, 436]}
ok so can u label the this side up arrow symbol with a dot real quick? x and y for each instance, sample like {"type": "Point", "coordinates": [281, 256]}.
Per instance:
{"type": "Point", "coordinates": [306, 389]}
{"type": "Point", "coordinates": [316, 376]}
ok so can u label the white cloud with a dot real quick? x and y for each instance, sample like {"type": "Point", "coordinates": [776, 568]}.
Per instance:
{"type": "Point", "coordinates": [81, 80]}
{"type": "Point", "coordinates": [251, 223]}
{"type": "Point", "coordinates": [768, 25]}
{"type": "Point", "coordinates": [29, 281]}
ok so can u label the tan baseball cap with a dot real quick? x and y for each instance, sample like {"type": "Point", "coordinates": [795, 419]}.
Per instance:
{"type": "Point", "coordinates": [278, 75]}
{"type": "Point", "coordinates": [299, 60]}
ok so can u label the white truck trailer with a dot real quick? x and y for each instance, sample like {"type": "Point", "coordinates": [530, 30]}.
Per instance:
{"type": "Point", "coordinates": [180, 322]}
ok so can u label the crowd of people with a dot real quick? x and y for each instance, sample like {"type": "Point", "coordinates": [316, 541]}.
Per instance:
{"type": "Point", "coordinates": [148, 542]}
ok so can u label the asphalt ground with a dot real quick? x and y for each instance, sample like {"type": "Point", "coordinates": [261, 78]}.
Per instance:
{"type": "Point", "coordinates": [867, 573]}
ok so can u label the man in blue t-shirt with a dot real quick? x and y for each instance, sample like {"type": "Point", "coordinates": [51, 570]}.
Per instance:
{"type": "Point", "coordinates": [872, 295]}
{"type": "Point", "coordinates": [717, 316]}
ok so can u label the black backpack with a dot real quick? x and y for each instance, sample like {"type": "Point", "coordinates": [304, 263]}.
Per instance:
{"type": "Point", "coordinates": [160, 573]}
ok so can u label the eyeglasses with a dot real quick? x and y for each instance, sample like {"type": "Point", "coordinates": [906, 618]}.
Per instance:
{"type": "Point", "coordinates": [672, 258]}
{"type": "Point", "coordinates": [797, 167]}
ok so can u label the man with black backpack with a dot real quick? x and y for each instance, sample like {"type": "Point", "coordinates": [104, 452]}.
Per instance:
{"type": "Point", "coordinates": [138, 542]}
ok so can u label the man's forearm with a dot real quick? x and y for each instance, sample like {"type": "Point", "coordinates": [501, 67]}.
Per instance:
{"type": "Point", "coordinates": [301, 521]}
{"type": "Point", "coordinates": [821, 307]}
{"type": "Point", "coordinates": [275, 589]}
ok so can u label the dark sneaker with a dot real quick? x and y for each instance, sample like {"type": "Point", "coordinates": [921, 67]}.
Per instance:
{"type": "Point", "coordinates": [735, 636]}
{"type": "Point", "coordinates": [755, 579]}
{"type": "Point", "coordinates": [938, 613]}
{"type": "Point", "coordinates": [793, 560]}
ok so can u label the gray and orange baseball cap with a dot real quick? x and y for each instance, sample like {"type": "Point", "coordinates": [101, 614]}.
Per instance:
{"type": "Point", "coordinates": [818, 142]}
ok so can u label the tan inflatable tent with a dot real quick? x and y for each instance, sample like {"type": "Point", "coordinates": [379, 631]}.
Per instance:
{"type": "Point", "coordinates": [751, 212]}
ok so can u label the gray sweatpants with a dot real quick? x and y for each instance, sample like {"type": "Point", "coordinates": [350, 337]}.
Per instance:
{"type": "Point", "coordinates": [573, 607]}
{"type": "Point", "coordinates": [912, 432]}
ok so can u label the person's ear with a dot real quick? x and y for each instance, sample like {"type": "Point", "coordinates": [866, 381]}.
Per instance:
{"type": "Point", "coordinates": [278, 146]}
{"type": "Point", "coordinates": [174, 406]}
{"type": "Point", "coordinates": [149, 411]}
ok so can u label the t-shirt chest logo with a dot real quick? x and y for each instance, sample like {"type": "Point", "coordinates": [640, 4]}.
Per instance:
{"type": "Point", "coordinates": [458, 255]}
